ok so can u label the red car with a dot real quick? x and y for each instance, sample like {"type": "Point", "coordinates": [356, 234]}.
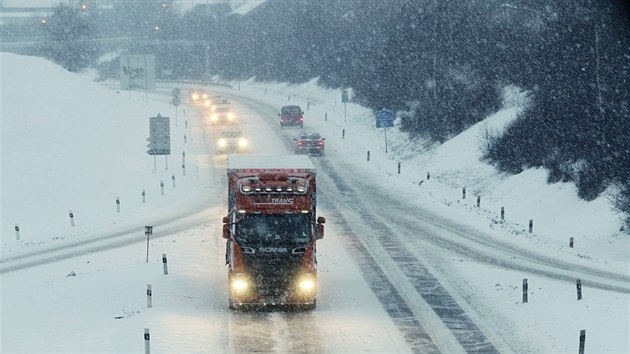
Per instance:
{"type": "Point", "coordinates": [309, 143]}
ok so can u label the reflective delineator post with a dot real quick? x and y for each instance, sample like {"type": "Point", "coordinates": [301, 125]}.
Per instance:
{"type": "Point", "coordinates": [164, 262]}
{"type": "Point", "coordinates": [525, 290]}
{"type": "Point", "coordinates": [582, 341]}
{"type": "Point", "coordinates": [502, 213]}
{"type": "Point", "coordinates": [117, 204]}
{"type": "Point", "coordinates": [17, 232]}
{"type": "Point", "coordinates": [578, 285]}
{"type": "Point", "coordinates": [531, 225]}
{"type": "Point", "coordinates": [173, 178]}
{"type": "Point", "coordinates": [147, 340]}
{"type": "Point", "coordinates": [162, 186]}
{"type": "Point", "coordinates": [464, 193]}
{"type": "Point", "coordinates": [144, 196]}
{"type": "Point", "coordinates": [148, 231]}
{"type": "Point", "coordinates": [571, 242]}
{"type": "Point", "coordinates": [478, 201]}
{"type": "Point", "coordinates": [149, 296]}
{"type": "Point", "coordinates": [71, 215]}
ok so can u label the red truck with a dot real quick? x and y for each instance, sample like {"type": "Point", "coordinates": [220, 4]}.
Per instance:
{"type": "Point", "coordinates": [271, 231]}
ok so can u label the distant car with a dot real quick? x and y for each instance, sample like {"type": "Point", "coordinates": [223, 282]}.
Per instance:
{"type": "Point", "coordinates": [222, 115]}
{"type": "Point", "coordinates": [197, 95]}
{"type": "Point", "coordinates": [291, 115]}
{"type": "Point", "coordinates": [216, 102]}
{"type": "Point", "coordinates": [232, 141]}
{"type": "Point", "coordinates": [309, 143]}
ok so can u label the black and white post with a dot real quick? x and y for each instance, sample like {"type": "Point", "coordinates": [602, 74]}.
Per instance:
{"type": "Point", "coordinates": [578, 285]}
{"type": "Point", "coordinates": [149, 296]}
{"type": "Point", "coordinates": [173, 178]}
{"type": "Point", "coordinates": [147, 340]}
{"type": "Point", "coordinates": [165, 263]}
{"type": "Point", "coordinates": [117, 204]}
{"type": "Point", "coordinates": [162, 187]}
{"type": "Point", "coordinates": [582, 341]}
{"type": "Point", "coordinates": [71, 215]}
{"type": "Point", "coordinates": [464, 193]}
{"type": "Point", "coordinates": [531, 225]}
{"type": "Point", "coordinates": [502, 213]}
{"type": "Point", "coordinates": [478, 201]}
{"type": "Point", "coordinates": [17, 232]}
{"type": "Point", "coordinates": [148, 231]}
{"type": "Point", "coordinates": [525, 290]}
{"type": "Point", "coordinates": [571, 242]}
{"type": "Point", "coordinates": [144, 196]}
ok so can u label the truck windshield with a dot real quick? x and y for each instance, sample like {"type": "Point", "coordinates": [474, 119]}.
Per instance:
{"type": "Point", "coordinates": [271, 230]}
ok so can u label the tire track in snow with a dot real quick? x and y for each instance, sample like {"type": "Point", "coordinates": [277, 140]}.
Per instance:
{"type": "Point", "coordinates": [467, 333]}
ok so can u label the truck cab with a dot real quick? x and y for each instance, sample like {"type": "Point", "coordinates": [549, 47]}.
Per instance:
{"type": "Point", "coordinates": [271, 232]}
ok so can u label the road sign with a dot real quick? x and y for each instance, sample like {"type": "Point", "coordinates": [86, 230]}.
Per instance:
{"type": "Point", "coordinates": [176, 92]}
{"type": "Point", "coordinates": [159, 136]}
{"type": "Point", "coordinates": [176, 101]}
{"type": "Point", "coordinates": [385, 118]}
{"type": "Point", "coordinates": [344, 95]}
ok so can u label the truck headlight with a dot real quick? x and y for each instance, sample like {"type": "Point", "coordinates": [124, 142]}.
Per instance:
{"type": "Point", "coordinates": [214, 117]}
{"type": "Point", "coordinates": [306, 283]}
{"type": "Point", "coordinates": [222, 142]}
{"type": "Point", "coordinates": [230, 116]}
{"type": "Point", "coordinates": [240, 283]}
{"type": "Point", "coordinates": [242, 142]}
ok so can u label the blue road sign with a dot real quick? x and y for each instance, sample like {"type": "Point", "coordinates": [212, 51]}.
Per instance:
{"type": "Point", "coordinates": [385, 118]}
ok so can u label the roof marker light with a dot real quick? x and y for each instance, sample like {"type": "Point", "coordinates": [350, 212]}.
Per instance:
{"type": "Point", "coordinates": [247, 188]}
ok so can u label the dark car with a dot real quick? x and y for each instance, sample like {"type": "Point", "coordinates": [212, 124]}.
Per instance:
{"type": "Point", "coordinates": [291, 116]}
{"type": "Point", "coordinates": [309, 143]}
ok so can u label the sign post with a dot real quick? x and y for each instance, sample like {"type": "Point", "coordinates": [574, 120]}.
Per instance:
{"type": "Point", "coordinates": [344, 99]}
{"type": "Point", "coordinates": [385, 119]}
{"type": "Point", "coordinates": [159, 138]}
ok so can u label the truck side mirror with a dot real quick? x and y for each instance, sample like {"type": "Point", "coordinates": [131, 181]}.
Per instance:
{"type": "Point", "coordinates": [319, 233]}
{"type": "Point", "coordinates": [320, 228]}
{"type": "Point", "coordinates": [226, 231]}
{"type": "Point", "coordinates": [226, 227]}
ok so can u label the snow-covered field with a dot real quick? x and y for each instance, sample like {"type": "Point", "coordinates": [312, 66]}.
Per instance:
{"type": "Point", "coordinates": [70, 145]}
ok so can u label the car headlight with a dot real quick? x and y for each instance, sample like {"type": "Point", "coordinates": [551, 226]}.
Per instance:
{"type": "Point", "coordinates": [195, 96]}
{"type": "Point", "coordinates": [206, 103]}
{"type": "Point", "coordinates": [213, 108]}
{"type": "Point", "coordinates": [214, 117]}
{"type": "Point", "coordinates": [242, 142]}
{"type": "Point", "coordinates": [222, 142]}
{"type": "Point", "coordinates": [230, 116]}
